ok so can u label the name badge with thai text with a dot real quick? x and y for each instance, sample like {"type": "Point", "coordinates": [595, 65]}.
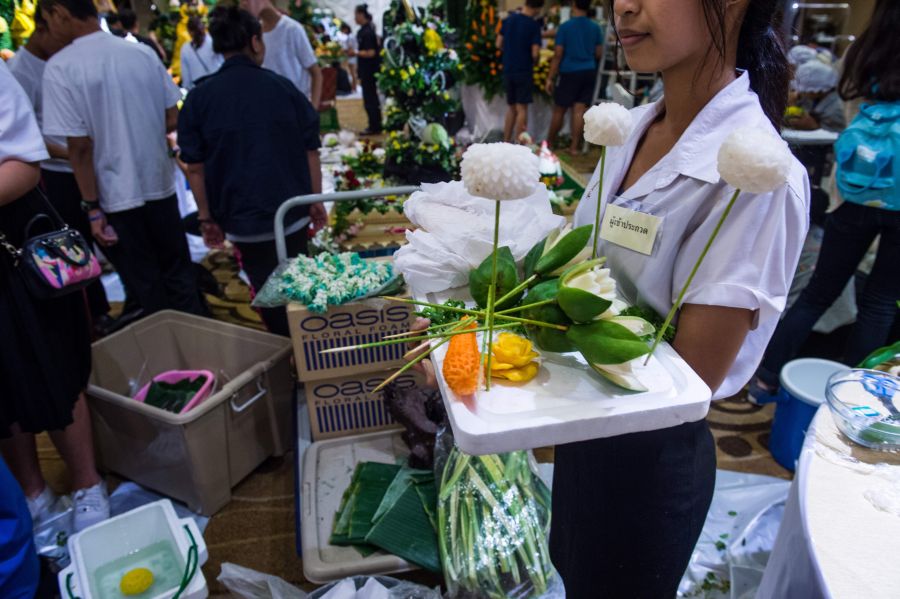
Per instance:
{"type": "Point", "coordinates": [630, 229]}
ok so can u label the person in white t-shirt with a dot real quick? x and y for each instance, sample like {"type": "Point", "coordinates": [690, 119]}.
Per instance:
{"type": "Point", "coordinates": [27, 66]}
{"type": "Point", "coordinates": [288, 51]}
{"type": "Point", "coordinates": [348, 42]}
{"type": "Point", "coordinates": [45, 354]}
{"type": "Point", "coordinates": [115, 102]}
{"type": "Point", "coordinates": [198, 59]}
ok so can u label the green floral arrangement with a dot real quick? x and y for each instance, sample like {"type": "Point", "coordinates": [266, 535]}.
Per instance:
{"type": "Point", "coordinates": [418, 73]}
{"type": "Point", "coordinates": [395, 118]}
{"type": "Point", "coordinates": [369, 161]}
{"type": "Point", "coordinates": [330, 53]}
{"type": "Point", "coordinates": [479, 53]}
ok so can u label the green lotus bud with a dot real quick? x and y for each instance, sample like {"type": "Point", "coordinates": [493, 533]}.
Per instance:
{"type": "Point", "coordinates": [507, 279]}
{"type": "Point", "coordinates": [563, 248]}
{"type": "Point", "coordinates": [545, 338]}
{"type": "Point", "coordinates": [605, 342]}
{"type": "Point", "coordinates": [582, 294]}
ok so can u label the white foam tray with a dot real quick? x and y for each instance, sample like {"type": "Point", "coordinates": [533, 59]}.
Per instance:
{"type": "Point", "coordinates": [567, 402]}
{"type": "Point", "coordinates": [327, 470]}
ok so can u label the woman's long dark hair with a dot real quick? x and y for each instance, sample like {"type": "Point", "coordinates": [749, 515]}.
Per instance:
{"type": "Point", "coordinates": [872, 63]}
{"type": "Point", "coordinates": [760, 51]}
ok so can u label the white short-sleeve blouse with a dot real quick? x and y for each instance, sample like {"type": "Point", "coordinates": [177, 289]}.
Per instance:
{"type": "Point", "coordinates": [753, 259]}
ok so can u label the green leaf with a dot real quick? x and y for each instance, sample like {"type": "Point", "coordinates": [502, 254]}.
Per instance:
{"type": "Point", "coordinates": [564, 250]}
{"type": "Point", "coordinates": [532, 257]}
{"type": "Point", "coordinates": [545, 338]}
{"type": "Point", "coordinates": [581, 305]}
{"type": "Point", "coordinates": [604, 342]}
{"type": "Point", "coordinates": [507, 279]}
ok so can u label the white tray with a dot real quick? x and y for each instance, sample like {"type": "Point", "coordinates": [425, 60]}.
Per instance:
{"type": "Point", "coordinates": [327, 469]}
{"type": "Point", "coordinates": [567, 402]}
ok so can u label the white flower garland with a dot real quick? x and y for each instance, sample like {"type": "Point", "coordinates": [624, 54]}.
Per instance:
{"type": "Point", "coordinates": [332, 280]}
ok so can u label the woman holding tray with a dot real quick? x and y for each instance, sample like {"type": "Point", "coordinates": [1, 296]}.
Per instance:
{"type": "Point", "coordinates": [628, 510]}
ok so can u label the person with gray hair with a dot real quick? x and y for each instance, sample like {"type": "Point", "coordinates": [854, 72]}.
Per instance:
{"type": "Point", "coordinates": [815, 85]}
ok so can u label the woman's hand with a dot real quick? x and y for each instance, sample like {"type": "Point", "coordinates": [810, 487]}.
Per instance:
{"type": "Point", "coordinates": [426, 366]}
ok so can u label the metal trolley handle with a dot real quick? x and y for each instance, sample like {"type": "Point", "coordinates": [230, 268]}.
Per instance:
{"type": "Point", "coordinates": [340, 196]}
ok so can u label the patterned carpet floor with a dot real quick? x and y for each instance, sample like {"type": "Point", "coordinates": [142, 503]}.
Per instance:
{"type": "Point", "coordinates": [257, 529]}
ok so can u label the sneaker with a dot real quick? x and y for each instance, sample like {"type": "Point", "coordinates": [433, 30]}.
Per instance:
{"type": "Point", "coordinates": [91, 506]}
{"type": "Point", "coordinates": [41, 506]}
{"type": "Point", "coordinates": [758, 393]}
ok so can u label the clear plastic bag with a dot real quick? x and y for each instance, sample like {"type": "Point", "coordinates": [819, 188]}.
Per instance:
{"type": "Point", "coordinates": [493, 523]}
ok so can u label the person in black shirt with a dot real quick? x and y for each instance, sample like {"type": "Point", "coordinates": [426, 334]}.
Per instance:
{"type": "Point", "coordinates": [128, 22]}
{"type": "Point", "coordinates": [250, 140]}
{"type": "Point", "coordinates": [369, 61]}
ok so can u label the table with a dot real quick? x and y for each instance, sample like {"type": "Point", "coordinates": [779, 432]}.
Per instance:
{"type": "Point", "coordinates": [833, 541]}
{"type": "Point", "coordinates": [482, 116]}
{"type": "Point", "coordinates": [817, 137]}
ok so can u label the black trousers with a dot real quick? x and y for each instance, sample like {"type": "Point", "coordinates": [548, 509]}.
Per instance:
{"type": "Point", "coordinates": [259, 260]}
{"type": "Point", "coordinates": [155, 257]}
{"type": "Point", "coordinates": [62, 191]}
{"type": "Point", "coordinates": [370, 100]}
{"type": "Point", "coordinates": [628, 510]}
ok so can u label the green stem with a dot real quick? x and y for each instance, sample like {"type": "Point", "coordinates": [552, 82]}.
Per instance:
{"type": "Point", "coordinates": [492, 295]}
{"type": "Point", "coordinates": [524, 284]}
{"type": "Point", "coordinates": [526, 306]}
{"type": "Point", "coordinates": [599, 193]}
{"type": "Point", "coordinates": [480, 313]}
{"type": "Point", "coordinates": [463, 323]}
{"type": "Point", "coordinates": [441, 335]}
{"type": "Point", "coordinates": [677, 304]}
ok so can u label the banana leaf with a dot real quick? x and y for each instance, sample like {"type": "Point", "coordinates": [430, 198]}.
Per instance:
{"type": "Point", "coordinates": [406, 531]}
{"type": "Point", "coordinates": [372, 482]}
{"type": "Point", "coordinates": [172, 397]}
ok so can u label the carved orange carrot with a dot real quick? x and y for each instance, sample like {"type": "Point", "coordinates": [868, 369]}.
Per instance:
{"type": "Point", "coordinates": [461, 365]}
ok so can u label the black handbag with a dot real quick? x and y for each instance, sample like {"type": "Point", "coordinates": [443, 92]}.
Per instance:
{"type": "Point", "coordinates": [56, 263]}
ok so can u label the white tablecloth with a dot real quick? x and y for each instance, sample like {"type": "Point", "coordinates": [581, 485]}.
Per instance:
{"type": "Point", "coordinates": [817, 137]}
{"type": "Point", "coordinates": [482, 116]}
{"type": "Point", "coordinates": [833, 541]}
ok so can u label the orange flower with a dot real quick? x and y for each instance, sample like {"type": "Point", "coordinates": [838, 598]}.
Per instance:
{"type": "Point", "coordinates": [468, 46]}
{"type": "Point", "coordinates": [493, 71]}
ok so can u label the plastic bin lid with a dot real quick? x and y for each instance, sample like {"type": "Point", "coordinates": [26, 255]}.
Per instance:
{"type": "Point", "coordinates": [806, 378]}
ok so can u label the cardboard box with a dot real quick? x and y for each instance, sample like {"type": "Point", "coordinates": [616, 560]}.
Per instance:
{"type": "Point", "coordinates": [347, 405]}
{"type": "Point", "coordinates": [356, 323]}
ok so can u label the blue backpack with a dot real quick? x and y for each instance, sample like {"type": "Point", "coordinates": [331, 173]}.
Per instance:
{"type": "Point", "coordinates": [868, 157]}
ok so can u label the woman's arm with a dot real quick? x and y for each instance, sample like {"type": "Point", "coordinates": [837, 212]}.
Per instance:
{"type": "Point", "coordinates": [709, 339]}
{"type": "Point", "coordinates": [16, 179]}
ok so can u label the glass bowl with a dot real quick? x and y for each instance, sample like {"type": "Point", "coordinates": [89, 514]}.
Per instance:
{"type": "Point", "coordinates": [865, 405]}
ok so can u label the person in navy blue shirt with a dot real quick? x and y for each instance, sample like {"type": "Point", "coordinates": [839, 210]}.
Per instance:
{"type": "Point", "coordinates": [520, 42]}
{"type": "Point", "coordinates": [19, 567]}
{"type": "Point", "coordinates": [579, 43]}
{"type": "Point", "coordinates": [251, 141]}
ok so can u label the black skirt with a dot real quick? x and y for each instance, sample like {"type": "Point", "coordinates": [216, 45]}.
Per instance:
{"type": "Point", "coordinates": [45, 345]}
{"type": "Point", "coordinates": [628, 510]}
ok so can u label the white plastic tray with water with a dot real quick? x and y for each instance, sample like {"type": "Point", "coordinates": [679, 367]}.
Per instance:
{"type": "Point", "coordinates": [327, 470]}
{"type": "Point", "coordinates": [567, 402]}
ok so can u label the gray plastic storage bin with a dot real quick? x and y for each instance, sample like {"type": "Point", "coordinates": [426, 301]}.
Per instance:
{"type": "Point", "coordinates": [199, 456]}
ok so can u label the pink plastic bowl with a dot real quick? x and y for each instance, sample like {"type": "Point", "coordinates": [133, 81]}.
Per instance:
{"type": "Point", "coordinates": [173, 376]}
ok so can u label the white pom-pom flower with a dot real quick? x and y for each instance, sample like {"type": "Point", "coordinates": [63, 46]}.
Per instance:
{"type": "Point", "coordinates": [499, 171]}
{"type": "Point", "coordinates": [347, 138]}
{"type": "Point", "coordinates": [754, 160]}
{"type": "Point", "coordinates": [607, 124]}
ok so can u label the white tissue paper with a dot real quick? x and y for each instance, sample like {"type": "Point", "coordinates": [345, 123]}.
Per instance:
{"type": "Point", "coordinates": [455, 233]}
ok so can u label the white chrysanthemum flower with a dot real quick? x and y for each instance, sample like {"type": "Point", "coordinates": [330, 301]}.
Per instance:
{"type": "Point", "coordinates": [607, 124]}
{"type": "Point", "coordinates": [378, 153]}
{"type": "Point", "coordinates": [499, 171]}
{"type": "Point", "coordinates": [754, 160]}
{"type": "Point", "coordinates": [347, 138]}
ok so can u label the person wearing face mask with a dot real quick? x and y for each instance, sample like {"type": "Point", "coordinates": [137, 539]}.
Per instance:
{"type": "Point", "coordinates": [628, 510]}
{"type": "Point", "coordinates": [250, 140]}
